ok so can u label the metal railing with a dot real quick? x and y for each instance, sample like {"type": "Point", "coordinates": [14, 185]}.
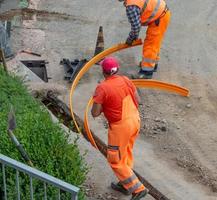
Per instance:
{"type": "Point", "coordinates": [34, 174]}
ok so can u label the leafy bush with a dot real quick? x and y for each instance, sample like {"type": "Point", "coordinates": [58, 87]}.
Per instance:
{"type": "Point", "coordinates": [45, 142]}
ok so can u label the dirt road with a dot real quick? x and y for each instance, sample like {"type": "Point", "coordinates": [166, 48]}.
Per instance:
{"type": "Point", "coordinates": [177, 148]}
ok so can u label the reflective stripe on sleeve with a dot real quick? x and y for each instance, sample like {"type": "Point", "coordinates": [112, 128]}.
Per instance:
{"type": "Point", "coordinates": [153, 13]}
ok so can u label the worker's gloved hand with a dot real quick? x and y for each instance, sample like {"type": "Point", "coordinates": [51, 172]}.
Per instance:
{"type": "Point", "coordinates": [129, 41]}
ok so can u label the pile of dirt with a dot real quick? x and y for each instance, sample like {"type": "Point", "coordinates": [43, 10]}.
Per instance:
{"type": "Point", "coordinates": [162, 133]}
{"type": "Point", "coordinates": [28, 13]}
{"type": "Point", "coordinates": [40, 89]}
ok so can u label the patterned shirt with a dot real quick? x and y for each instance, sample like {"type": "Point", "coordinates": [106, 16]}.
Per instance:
{"type": "Point", "coordinates": [133, 14]}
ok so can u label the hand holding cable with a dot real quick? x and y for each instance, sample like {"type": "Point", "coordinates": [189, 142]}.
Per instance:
{"type": "Point", "coordinates": [133, 14]}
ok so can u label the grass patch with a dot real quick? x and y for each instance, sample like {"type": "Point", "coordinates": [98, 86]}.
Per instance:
{"type": "Point", "coordinates": [45, 142]}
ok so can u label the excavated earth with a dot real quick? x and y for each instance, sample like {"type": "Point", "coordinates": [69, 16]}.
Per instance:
{"type": "Point", "coordinates": [177, 147]}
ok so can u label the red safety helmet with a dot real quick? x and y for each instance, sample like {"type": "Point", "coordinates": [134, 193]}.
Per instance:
{"type": "Point", "coordinates": [110, 65]}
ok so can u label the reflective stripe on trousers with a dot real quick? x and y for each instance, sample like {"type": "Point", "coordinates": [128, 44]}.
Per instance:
{"type": "Point", "coordinates": [153, 40]}
{"type": "Point", "coordinates": [121, 139]}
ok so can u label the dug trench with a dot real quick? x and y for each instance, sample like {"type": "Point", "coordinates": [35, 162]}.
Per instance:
{"type": "Point", "coordinates": [61, 110]}
{"type": "Point", "coordinates": [40, 15]}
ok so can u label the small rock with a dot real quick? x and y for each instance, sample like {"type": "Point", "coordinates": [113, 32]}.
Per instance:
{"type": "Point", "coordinates": [157, 119]}
{"type": "Point", "coordinates": [156, 128]}
{"type": "Point", "coordinates": [164, 121]}
{"type": "Point", "coordinates": [179, 149]}
{"type": "Point", "coordinates": [163, 128]}
{"type": "Point", "coordinates": [214, 186]}
{"type": "Point", "coordinates": [188, 105]}
{"type": "Point", "coordinates": [99, 196]}
{"type": "Point", "coordinates": [155, 132]}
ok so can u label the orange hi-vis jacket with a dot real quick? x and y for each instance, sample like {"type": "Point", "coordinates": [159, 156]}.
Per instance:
{"type": "Point", "coordinates": [150, 9]}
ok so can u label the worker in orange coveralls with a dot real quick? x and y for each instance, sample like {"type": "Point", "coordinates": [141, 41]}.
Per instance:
{"type": "Point", "coordinates": [156, 15]}
{"type": "Point", "coordinates": [117, 98]}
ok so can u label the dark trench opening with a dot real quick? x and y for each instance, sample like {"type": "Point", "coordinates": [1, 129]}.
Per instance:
{"type": "Point", "coordinates": [38, 67]}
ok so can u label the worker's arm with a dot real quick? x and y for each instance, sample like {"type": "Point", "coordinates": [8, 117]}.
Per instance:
{"type": "Point", "coordinates": [98, 99]}
{"type": "Point", "coordinates": [133, 14]}
{"type": "Point", "coordinates": [96, 109]}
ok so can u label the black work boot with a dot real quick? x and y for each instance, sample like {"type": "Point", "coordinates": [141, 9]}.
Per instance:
{"type": "Point", "coordinates": [139, 195]}
{"type": "Point", "coordinates": [120, 188]}
{"type": "Point", "coordinates": [155, 67]}
{"type": "Point", "coordinates": [142, 74]}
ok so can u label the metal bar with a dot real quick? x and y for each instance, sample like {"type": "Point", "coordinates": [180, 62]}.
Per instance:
{"type": "Point", "coordinates": [45, 191]}
{"type": "Point", "coordinates": [74, 197]}
{"type": "Point", "coordinates": [19, 148]}
{"type": "Point", "coordinates": [8, 28]}
{"type": "Point", "coordinates": [59, 194]}
{"type": "Point", "coordinates": [39, 175]}
{"type": "Point", "coordinates": [11, 127]}
{"type": "Point", "coordinates": [4, 182]}
{"type": "Point", "coordinates": [31, 188]}
{"type": "Point", "coordinates": [17, 185]}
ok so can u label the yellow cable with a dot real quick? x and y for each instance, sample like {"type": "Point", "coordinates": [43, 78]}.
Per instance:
{"type": "Point", "coordinates": [89, 64]}
{"type": "Point", "coordinates": [140, 83]}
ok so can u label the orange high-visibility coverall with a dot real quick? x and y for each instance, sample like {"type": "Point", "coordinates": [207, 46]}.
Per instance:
{"type": "Point", "coordinates": [155, 15]}
{"type": "Point", "coordinates": [117, 96]}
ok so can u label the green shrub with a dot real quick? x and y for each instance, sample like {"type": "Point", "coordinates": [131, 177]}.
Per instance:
{"type": "Point", "coordinates": [45, 142]}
